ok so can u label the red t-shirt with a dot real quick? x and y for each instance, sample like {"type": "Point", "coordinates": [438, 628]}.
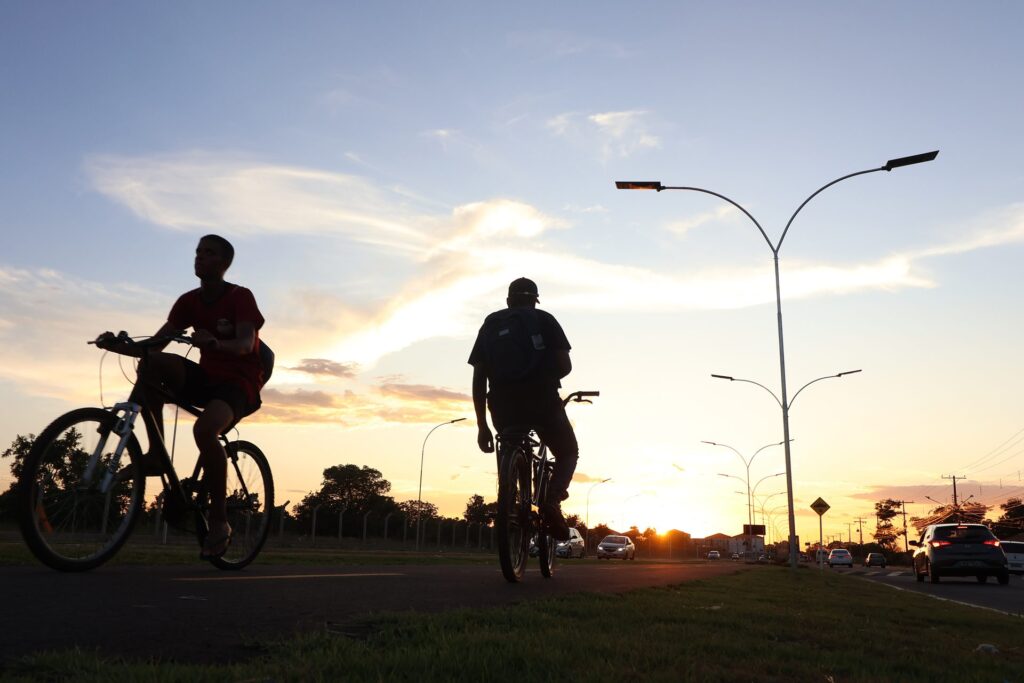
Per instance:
{"type": "Point", "coordinates": [221, 319]}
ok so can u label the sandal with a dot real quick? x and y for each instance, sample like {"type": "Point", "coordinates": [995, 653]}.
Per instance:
{"type": "Point", "coordinates": [216, 543]}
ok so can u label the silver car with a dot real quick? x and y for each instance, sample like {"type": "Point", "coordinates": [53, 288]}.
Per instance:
{"type": "Point", "coordinates": [617, 547]}
{"type": "Point", "coordinates": [574, 547]}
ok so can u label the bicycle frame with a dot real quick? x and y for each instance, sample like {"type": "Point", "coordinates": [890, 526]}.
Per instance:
{"type": "Point", "coordinates": [128, 412]}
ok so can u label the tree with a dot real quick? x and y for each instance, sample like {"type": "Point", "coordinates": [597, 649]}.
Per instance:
{"type": "Point", "coordinates": [479, 512]}
{"type": "Point", "coordinates": [349, 488]}
{"type": "Point", "coordinates": [18, 450]}
{"type": "Point", "coordinates": [418, 510]}
{"type": "Point", "coordinates": [574, 521]}
{"type": "Point", "coordinates": [885, 533]}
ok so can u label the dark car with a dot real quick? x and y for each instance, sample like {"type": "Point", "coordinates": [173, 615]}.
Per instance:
{"type": "Point", "coordinates": [959, 550]}
{"type": "Point", "coordinates": [875, 560]}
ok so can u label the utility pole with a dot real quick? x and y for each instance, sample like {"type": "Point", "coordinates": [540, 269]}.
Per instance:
{"type": "Point", "coordinates": [954, 478]}
{"type": "Point", "coordinates": [906, 543]}
{"type": "Point", "coordinates": [860, 528]}
{"type": "Point", "coordinates": [849, 532]}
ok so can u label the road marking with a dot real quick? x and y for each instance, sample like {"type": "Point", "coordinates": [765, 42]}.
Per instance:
{"type": "Point", "coordinates": [279, 577]}
{"type": "Point", "coordinates": [957, 602]}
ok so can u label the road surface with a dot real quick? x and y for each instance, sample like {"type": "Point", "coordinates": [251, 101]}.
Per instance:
{"type": "Point", "coordinates": [200, 614]}
{"type": "Point", "coordinates": [966, 590]}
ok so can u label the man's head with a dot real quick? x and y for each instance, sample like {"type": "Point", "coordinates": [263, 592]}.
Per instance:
{"type": "Point", "coordinates": [213, 257]}
{"type": "Point", "coordinates": [522, 292]}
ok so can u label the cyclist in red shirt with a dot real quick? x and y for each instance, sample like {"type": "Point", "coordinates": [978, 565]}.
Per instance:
{"type": "Point", "coordinates": [226, 381]}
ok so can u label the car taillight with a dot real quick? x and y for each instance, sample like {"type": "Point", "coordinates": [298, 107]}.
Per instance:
{"type": "Point", "coordinates": [939, 544]}
{"type": "Point", "coordinates": [992, 542]}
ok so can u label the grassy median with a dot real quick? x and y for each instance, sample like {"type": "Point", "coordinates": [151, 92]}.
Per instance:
{"type": "Point", "coordinates": [764, 624]}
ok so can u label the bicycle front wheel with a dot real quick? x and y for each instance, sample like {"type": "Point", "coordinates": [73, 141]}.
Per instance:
{"type": "Point", "coordinates": [71, 517]}
{"type": "Point", "coordinates": [250, 501]}
{"type": "Point", "coordinates": [546, 553]}
{"type": "Point", "coordinates": [513, 518]}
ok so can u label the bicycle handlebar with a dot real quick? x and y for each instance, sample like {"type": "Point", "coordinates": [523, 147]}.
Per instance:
{"type": "Point", "coordinates": [123, 338]}
{"type": "Point", "coordinates": [579, 397]}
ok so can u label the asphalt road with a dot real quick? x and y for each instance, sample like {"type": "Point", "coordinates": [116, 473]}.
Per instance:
{"type": "Point", "coordinates": [966, 590]}
{"type": "Point", "coordinates": [200, 614]}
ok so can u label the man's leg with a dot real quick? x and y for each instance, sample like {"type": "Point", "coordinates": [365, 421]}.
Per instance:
{"type": "Point", "coordinates": [557, 433]}
{"type": "Point", "coordinates": [161, 369]}
{"type": "Point", "coordinates": [216, 417]}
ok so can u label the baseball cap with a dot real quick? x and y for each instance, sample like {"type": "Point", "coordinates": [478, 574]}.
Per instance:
{"type": "Point", "coordinates": [523, 286]}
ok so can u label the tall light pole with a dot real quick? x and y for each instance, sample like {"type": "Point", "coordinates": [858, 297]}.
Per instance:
{"type": "Point", "coordinates": [775, 247]}
{"type": "Point", "coordinates": [419, 491]}
{"type": "Point", "coordinates": [589, 490]}
{"type": "Point", "coordinates": [746, 464]}
{"type": "Point", "coordinates": [753, 491]}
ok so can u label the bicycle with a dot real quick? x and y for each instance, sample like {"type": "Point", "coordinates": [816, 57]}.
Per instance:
{"type": "Point", "coordinates": [77, 504]}
{"type": "Point", "coordinates": [524, 474]}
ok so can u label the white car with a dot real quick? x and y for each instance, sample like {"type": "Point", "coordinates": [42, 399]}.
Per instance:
{"type": "Point", "coordinates": [616, 547]}
{"type": "Point", "coordinates": [714, 555]}
{"type": "Point", "coordinates": [1014, 551]}
{"type": "Point", "coordinates": [840, 557]}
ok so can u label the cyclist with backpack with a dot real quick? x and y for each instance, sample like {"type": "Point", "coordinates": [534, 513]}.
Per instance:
{"type": "Point", "coordinates": [519, 357]}
{"type": "Point", "coordinates": [226, 381]}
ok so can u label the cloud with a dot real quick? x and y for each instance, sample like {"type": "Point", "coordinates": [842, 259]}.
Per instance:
{"type": "Point", "coordinates": [558, 44]}
{"type": "Point", "coordinates": [198, 192]}
{"type": "Point", "coordinates": [613, 133]}
{"type": "Point", "coordinates": [681, 227]}
{"type": "Point", "coordinates": [371, 406]}
{"type": "Point", "coordinates": [322, 366]}
{"type": "Point", "coordinates": [464, 257]}
{"type": "Point", "coordinates": [582, 478]}
{"type": "Point", "coordinates": [423, 392]}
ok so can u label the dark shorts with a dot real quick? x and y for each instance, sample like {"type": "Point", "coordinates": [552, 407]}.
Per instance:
{"type": "Point", "coordinates": [199, 390]}
{"type": "Point", "coordinates": [544, 413]}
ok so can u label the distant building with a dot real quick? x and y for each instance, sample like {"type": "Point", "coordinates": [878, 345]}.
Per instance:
{"type": "Point", "coordinates": [741, 543]}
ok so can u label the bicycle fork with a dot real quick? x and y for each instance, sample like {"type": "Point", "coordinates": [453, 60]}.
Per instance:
{"type": "Point", "coordinates": [123, 429]}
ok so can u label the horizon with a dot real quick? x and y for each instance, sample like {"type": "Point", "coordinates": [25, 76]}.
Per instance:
{"type": "Point", "coordinates": [384, 173]}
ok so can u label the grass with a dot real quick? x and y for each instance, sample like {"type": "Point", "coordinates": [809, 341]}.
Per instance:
{"type": "Point", "coordinates": [764, 624]}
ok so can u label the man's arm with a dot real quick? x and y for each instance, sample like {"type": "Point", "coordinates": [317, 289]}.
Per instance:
{"type": "Point", "coordinates": [106, 341]}
{"type": "Point", "coordinates": [243, 343]}
{"type": "Point", "coordinates": [484, 437]}
{"type": "Point", "coordinates": [563, 365]}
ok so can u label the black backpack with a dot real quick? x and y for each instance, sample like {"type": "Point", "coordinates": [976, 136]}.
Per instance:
{"type": "Point", "coordinates": [513, 344]}
{"type": "Point", "coordinates": [266, 355]}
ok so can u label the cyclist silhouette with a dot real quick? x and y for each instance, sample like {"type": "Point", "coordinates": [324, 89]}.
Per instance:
{"type": "Point", "coordinates": [225, 382]}
{"type": "Point", "coordinates": [519, 357]}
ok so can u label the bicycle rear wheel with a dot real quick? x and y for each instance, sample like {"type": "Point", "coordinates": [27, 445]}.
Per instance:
{"type": "Point", "coordinates": [513, 518]}
{"type": "Point", "coordinates": [250, 501]}
{"type": "Point", "coordinates": [66, 518]}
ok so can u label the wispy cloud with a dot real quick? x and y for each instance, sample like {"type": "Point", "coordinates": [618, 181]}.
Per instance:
{"type": "Point", "coordinates": [685, 225]}
{"type": "Point", "coordinates": [556, 44]}
{"type": "Point", "coordinates": [423, 392]}
{"type": "Point", "coordinates": [612, 133]}
{"type": "Point", "coordinates": [466, 256]}
{"type": "Point", "coordinates": [322, 366]}
{"type": "Point", "coordinates": [199, 191]}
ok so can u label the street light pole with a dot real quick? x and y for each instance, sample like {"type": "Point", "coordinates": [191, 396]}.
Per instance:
{"type": "Point", "coordinates": [589, 490]}
{"type": "Point", "coordinates": [419, 491]}
{"type": "Point", "coordinates": [746, 465]}
{"type": "Point", "coordinates": [784, 402]}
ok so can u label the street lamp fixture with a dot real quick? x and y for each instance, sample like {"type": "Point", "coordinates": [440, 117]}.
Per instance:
{"type": "Point", "coordinates": [419, 491]}
{"type": "Point", "coordinates": [775, 247]}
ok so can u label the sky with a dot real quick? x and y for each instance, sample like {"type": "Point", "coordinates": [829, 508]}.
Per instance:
{"type": "Point", "coordinates": [385, 169]}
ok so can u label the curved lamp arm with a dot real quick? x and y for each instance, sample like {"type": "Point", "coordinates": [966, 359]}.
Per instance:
{"type": "Point", "coordinates": [841, 374]}
{"type": "Point", "coordinates": [750, 381]}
